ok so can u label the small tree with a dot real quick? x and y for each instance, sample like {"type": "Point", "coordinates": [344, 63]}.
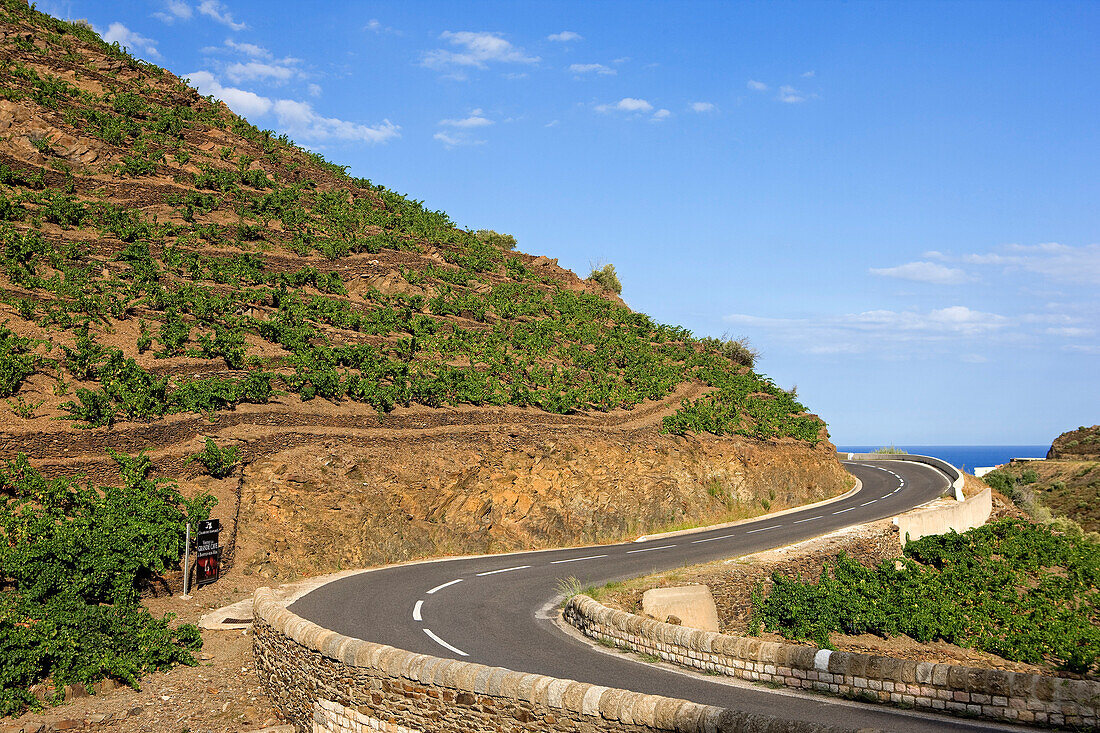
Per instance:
{"type": "Point", "coordinates": [496, 239]}
{"type": "Point", "coordinates": [607, 278]}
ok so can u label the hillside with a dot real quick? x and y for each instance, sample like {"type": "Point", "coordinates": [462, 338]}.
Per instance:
{"type": "Point", "coordinates": [1081, 444]}
{"type": "Point", "coordinates": [170, 272]}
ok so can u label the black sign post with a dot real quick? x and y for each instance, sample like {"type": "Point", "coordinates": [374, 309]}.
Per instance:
{"type": "Point", "coordinates": [209, 551]}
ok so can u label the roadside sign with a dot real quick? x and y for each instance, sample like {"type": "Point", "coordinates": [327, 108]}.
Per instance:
{"type": "Point", "coordinates": [209, 551]}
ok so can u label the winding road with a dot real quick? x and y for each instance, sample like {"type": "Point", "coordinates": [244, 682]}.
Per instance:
{"type": "Point", "coordinates": [500, 610]}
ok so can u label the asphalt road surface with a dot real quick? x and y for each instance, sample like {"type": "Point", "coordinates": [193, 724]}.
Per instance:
{"type": "Point", "coordinates": [498, 609]}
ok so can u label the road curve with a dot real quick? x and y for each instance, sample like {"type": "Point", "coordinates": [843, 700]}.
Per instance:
{"type": "Point", "coordinates": [489, 609]}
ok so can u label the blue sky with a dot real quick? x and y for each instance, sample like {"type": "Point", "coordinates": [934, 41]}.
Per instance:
{"type": "Point", "coordinates": [897, 203]}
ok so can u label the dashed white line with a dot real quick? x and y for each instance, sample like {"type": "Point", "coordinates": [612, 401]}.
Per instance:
{"type": "Point", "coordinates": [810, 519]}
{"type": "Point", "coordinates": [416, 611]}
{"type": "Point", "coordinates": [650, 549]}
{"type": "Point", "coordinates": [503, 570]}
{"type": "Point", "coordinates": [845, 510]}
{"type": "Point", "coordinates": [764, 529]}
{"type": "Point", "coordinates": [441, 587]}
{"type": "Point", "coordinates": [444, 644]}
{"type": "Point", "coordinates": [867, 503]}
{"type": "Point", "coordinates": [576, 559]}
{"type": "Point", "coordinates": [712, 539]}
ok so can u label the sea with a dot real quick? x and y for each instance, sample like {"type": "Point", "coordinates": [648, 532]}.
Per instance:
{"type": "Point", "coordinates": [967, 457]}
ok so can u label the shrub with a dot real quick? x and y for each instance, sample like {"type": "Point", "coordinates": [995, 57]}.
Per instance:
{"type": "Point", "coordinates": [92, 406]}
{"type": "Point", "coordinates": [219, 462]}
{"type": "Point", "coordinates": [606, 278]}
{"type": "Point", "coordinates": [73, 558]}
{"type": "Point", "coordinates": [1011, 588]}
{"type": "Point", "coordinates": [16, 361]}
{"type": "Point", "coordinates": [495, 239]}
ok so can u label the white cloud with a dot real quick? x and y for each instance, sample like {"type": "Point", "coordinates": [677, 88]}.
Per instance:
{"type": "Point", "coordinates": [375, 26]}
{"type": "Point", "coordinates": [258, 70]}
{"type": "Point", "coordinates": [565, 36]}
{"type": "Point", "coordinates": [456, 139]}
{"type": "Point", "coordinates": [552, 123]}
{"type": "Point", "coordinates": [135, 42]}
{"type": "Point", "coordinates": [1071, 331]}
{"type": "Point", "coordinates": [626, 104]}
{"type": "Point", "coordinates": [1061, 263]}
{"type": "Point", "coordinates": [314, 90]}
{"type": "Point", "coordinates": [220, 13]}
{"type": "Point", "coordinates": [243, 102]}
{"type": "Point", "coordinates": [478, 50]}
{"type": "Point", "coordinates": [974, 358]}
{"type": "Point", "coordinates": [925, 272]}
{"type": "Point", "coordinates": [476, 118]}
{"type": "Point", "coordinates": [661, 114]}
{"type": "Point", "coordinates": [757, 86]}
{"type": "Point", "coordinates": [808, 74]}
{"type": "Point", "coordinates": [176, 10]}
{"type": "Point", "coordinates": [249, 49]}
{"type": "Point", "coordinates": [592, 68]}
{"type": "Point", "coordinates": [299, 118]}
{"type": "Point", "coordinates": [790, 95]}
{"type": "Point", "coordinates": [702, 107]}
{"type": "Point", "coordinates": [883, 331]}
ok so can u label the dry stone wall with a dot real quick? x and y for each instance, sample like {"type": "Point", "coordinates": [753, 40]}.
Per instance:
{"type": "Point", "coordinates": [988, 693]}
{"type": "Point", "coordinates": [322, 681]}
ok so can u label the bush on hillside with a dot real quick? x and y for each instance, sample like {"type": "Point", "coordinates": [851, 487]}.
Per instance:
{"type": "Point", "coordinates": [606, 278]}
{"type": "Point", "coordinates": [1019, 590]}
{"type": "Point", "coordinates": [72, 560]}
{"type": "Point", "coordinates": [219, 462]}
{"type": "Point", "coordinates": [496, 239]}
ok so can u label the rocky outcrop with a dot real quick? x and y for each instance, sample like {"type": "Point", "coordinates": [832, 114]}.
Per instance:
{"type": "Point", "coordinates": [320, 508]}
{"type": "Point", "coordinates": [1080, 444]}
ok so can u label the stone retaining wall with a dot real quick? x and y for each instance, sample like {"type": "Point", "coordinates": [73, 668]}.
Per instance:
{"type": "Point", "coordinates": [995, 694]}
{"type": "Point", "coordinates": [322, 681]}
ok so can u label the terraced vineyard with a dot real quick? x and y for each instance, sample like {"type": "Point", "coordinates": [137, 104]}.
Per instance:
{"type": "Point", "coordinates": [144, 228]}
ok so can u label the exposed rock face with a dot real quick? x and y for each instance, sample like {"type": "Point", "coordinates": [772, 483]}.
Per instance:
{"type": "Point", "coordinates": [321, 508]}
{"type": "Point", "coordinates": [1081, 444]}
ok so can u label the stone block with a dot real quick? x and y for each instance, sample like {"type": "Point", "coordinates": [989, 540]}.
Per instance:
{"type": "Point", "coordinates": [611, 704]}
{"type": "Point", "coordinates": [590, 702]}
{"type": "Point", "coordinates": [573, 697]}
{"type": "Point", "coordinates": [692, 604]}
{"type": "Point", "coordinates": [939, 674]}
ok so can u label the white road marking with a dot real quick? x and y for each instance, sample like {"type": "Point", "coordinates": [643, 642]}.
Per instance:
{"type": "Point", "coordinates": [712, 539]}
{"type": "Point", "coordinates": [444, 644]}
{"type": "Point", "coordinates": [503, 570]}
{"type": "Point", "coordinates": [441, 587]}
{"type": "Point", "coordinates": [764, 529]}
{"type": "Point", "coordinates": [845, 510]}
{"type": "Point", "coordinates": [800, 521]}
{"type": "Point", "coordinates": [416, 611]}
{"type": "Point", "coordinates": [866, 503]}
{"type": "Point", "coordinates": [576, 559]}
{"type": "Point", "coordinates": [885, 497]}
{"type": "Point", "coordinates": [650, 549]}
